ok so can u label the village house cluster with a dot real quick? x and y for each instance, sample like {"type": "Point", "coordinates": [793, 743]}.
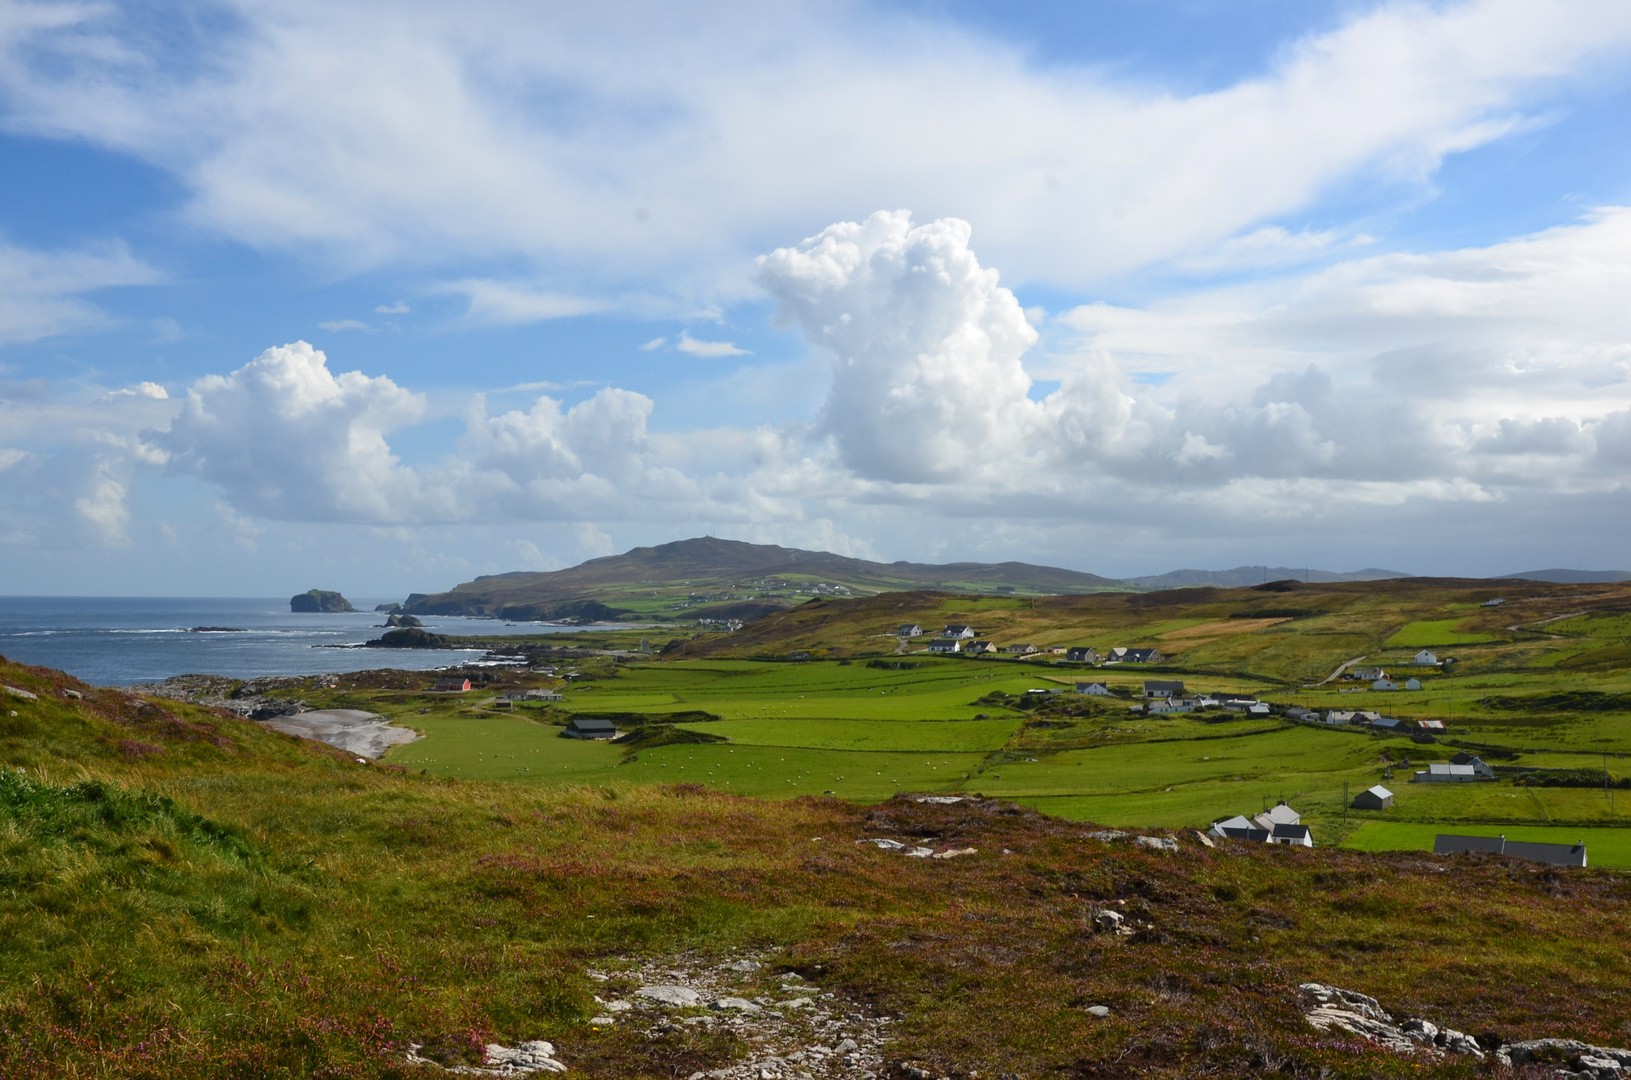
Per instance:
{"type": "Point", "coordinates": [1279, 824]}
{"type": "Point", "coordinates": [964, 640]}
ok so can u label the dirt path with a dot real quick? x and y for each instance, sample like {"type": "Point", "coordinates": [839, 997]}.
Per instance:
{"type": "Point", "coordinates": [1344, 666]}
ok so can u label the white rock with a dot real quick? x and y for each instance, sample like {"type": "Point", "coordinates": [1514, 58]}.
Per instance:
{"type": "Point", "coordinates": [1156, 843]}
{"type": "Point", "coordinates": [1107, 835]}
{"type": "Point", "coordinates": [795, 1003]}
{"type": "Point", "coordinates": [919, 852]}
{"type": "Point", "coordinates": [735, 1003]}
{"type": "Point", "coordinates": [848, 1046]}
{"type": "Point", "coordinates": [952, 853]}
{"type": "Point", "coordinates": [618, 1006]}
{"type": "Point", "coordinates": [20, 693]}
{"type": "Point", "coordinates": [680, 997]}
{"type": "Point", "coordinates": [883, 842]}
{"type": "Point", "coordinates": [1099, 1010]}
{"type": "Point", "coordinates": [747, 967]}
{"type": "Point", "coordinates": [942, 800]}
{"type": "Point", "coordinates": [602, 1021]}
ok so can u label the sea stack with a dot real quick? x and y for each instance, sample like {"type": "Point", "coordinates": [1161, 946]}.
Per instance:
{"type": "Point", "coordinates": [317, 600]}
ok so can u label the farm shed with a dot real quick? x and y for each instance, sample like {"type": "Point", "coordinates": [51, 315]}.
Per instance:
{"type": "Point", "coordinates": [1374, 798]}
{"type": "Point", "coordinates": [586, 727]}
{"type": "Point", "coordinates": [457, 686]}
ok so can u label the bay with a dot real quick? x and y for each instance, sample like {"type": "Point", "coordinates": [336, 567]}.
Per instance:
{"type": "Point", "coordinates": [116, 641]}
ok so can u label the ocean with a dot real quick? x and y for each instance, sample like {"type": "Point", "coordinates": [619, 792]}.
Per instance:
{"type": "Point", "coordinates": [116, 641]}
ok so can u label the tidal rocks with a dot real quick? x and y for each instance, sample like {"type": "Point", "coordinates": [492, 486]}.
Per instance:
{"type": "Point", "coordinates": [411, 637]}
{"type": "Point", "coordinates": [319, 601]}
{"type": "Point", "coordinates": [402, 620]}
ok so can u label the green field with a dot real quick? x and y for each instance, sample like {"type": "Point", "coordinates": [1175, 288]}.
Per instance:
{"type": "Point", "coordinates": [1551, 708]}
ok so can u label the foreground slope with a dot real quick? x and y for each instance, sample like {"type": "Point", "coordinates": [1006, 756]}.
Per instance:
{"type": "Point", "coordinates": [189, 895]}
{"type": "Point", "coordinates": [738, 578]}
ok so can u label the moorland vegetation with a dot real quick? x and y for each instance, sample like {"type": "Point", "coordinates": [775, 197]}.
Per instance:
{"type": "Point", "coordinates": [187, 894]}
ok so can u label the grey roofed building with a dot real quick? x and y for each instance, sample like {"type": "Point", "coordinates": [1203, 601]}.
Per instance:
{"type": "Point", "coordinates": [1123, 655]}
{"type": "Point", "coordinates": [1279, 814]}
{"type": "Point", "coordinates": [909, 630]}
{"type": "Point", "coordinates": [1082, 654]}
{"type": "Point", "coordinates": [1553, 854]}
{"type": "Point", "coordinates": [1374, 798]}
{"type": "Point", "coordinates": [959, 630]}
{"type": "Point", "coordinates": [588, 727]}
{"type": "Point", "coordinates": [1426, 659]}
{"type": "Point", "coordinates": [1023, 650]}
{"type": "Point", "coordinates": [1450, 844]}
{"type": "Point", "coordinates": [1163, 688]}
{"type": "Point", "coordinates": [1479, 766]}
{"type": "Point", "coordinates": [946, 645]}
{"type": "Point", "coordinates": [1096, 688]}
{"type": "Point", "coordinates": [1368, 674]}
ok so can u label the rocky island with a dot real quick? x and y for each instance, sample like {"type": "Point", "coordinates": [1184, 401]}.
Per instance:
{"type": "Point", "coordinates": [319, 600]}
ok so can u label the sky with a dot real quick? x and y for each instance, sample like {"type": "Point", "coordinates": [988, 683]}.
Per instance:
{"type": "Point", "coordinates": [383, 297]}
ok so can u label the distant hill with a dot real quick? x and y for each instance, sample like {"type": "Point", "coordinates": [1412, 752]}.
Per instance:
{"type": "Point", "coordinates": [1255, 575]}
{"type": "Point", "coordinates": [1569, 577]}
{"type": "Point", "coordinates": [728, 579]}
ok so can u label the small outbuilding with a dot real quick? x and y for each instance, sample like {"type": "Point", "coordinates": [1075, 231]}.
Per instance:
{"type": "Point", "coordinates": [1375, 798]}
{"type": "Point", "coordinates": [1384, 684]}
{"type": "Point", "coordinates": [588, 727]}
{"type": "Point", "coordinates": [454, 686]}
{"type": "Point", "coordinates": [1412, 684]}
{"type": "Point", "coordinates": [1426, 659]}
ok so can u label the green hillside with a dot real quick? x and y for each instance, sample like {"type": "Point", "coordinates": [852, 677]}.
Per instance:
{"type": "Point", "coordinates": [726, 579]}
{"type": "Point", "coordinates": [189, 895]}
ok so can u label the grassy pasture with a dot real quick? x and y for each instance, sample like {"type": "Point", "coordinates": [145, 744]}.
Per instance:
{"type": "Point", "coordinates": [1528, 700]}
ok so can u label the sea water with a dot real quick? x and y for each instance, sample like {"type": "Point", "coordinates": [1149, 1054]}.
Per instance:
{"type": "Point", "coordinates": [116, 641]}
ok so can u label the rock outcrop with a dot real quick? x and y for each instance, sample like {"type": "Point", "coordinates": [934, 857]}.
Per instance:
{"type": "Point", "coordinates": [411, 637]}
{"type": "Point", "coordinates": [1333, 1007]}
{"type": "Point", "coordinates": [318, 601]}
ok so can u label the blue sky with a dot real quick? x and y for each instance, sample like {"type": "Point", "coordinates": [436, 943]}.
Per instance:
{"type": "Point", "coordinates": [382, 297]}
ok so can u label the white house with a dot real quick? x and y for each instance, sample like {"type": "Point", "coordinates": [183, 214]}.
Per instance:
{"type": "Point", "coordinates": [1384, 684]}
{"type": "Point", "coordinates": [1412, 684]}
{"type": "Point", "coordinates": [1279, 814]}
{"type": "Point", "coordinates": [1294, 835]}
{"type": "Point", "coordinates": [909, 630]}
{"type": "Point", "coordinates": [959, 630]}
{"type": "Point", "coordinates": [946, 645]}
{"type": "Point", "coordinates": [1098, 689]}
{"type": "Point", "coordinates": [1257, 708]}
{"type": "Point", "coordinates": [1369, 674]}
{"type": "Point", "coordinates": [1426, 659]}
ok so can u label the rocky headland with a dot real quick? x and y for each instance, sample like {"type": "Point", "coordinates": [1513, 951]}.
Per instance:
{"type": "Point", "coordinates": [314, 601]}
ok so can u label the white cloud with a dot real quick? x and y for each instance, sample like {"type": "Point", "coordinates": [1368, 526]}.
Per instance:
{"type": "Point", "coordinates": [143, 389]}
{"type": "Point", "coordinates": [706, 349]}
{"type": "Point", "coordinates": [497, 303]}
{"type": "Point", "coordinates": [286, 438]}
{"type": "Point", "coordinates": [654, 344]}
{"type": "Point", "coordinates": [42, 292]}
{"type": "Point", "coordinates": [337, 325]}
{"type": "Point", "coordinates": [103, 506]}
{"type": "Point", "coordinates": [400, 307]}
{"type": "Point", "coordinates": [638, 145]}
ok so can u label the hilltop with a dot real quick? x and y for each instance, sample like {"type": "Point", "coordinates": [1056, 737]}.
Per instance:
{"type": "Point", "coordinates": [191, 895]}
{"type": "Point", "coordinates": [726, 579]}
